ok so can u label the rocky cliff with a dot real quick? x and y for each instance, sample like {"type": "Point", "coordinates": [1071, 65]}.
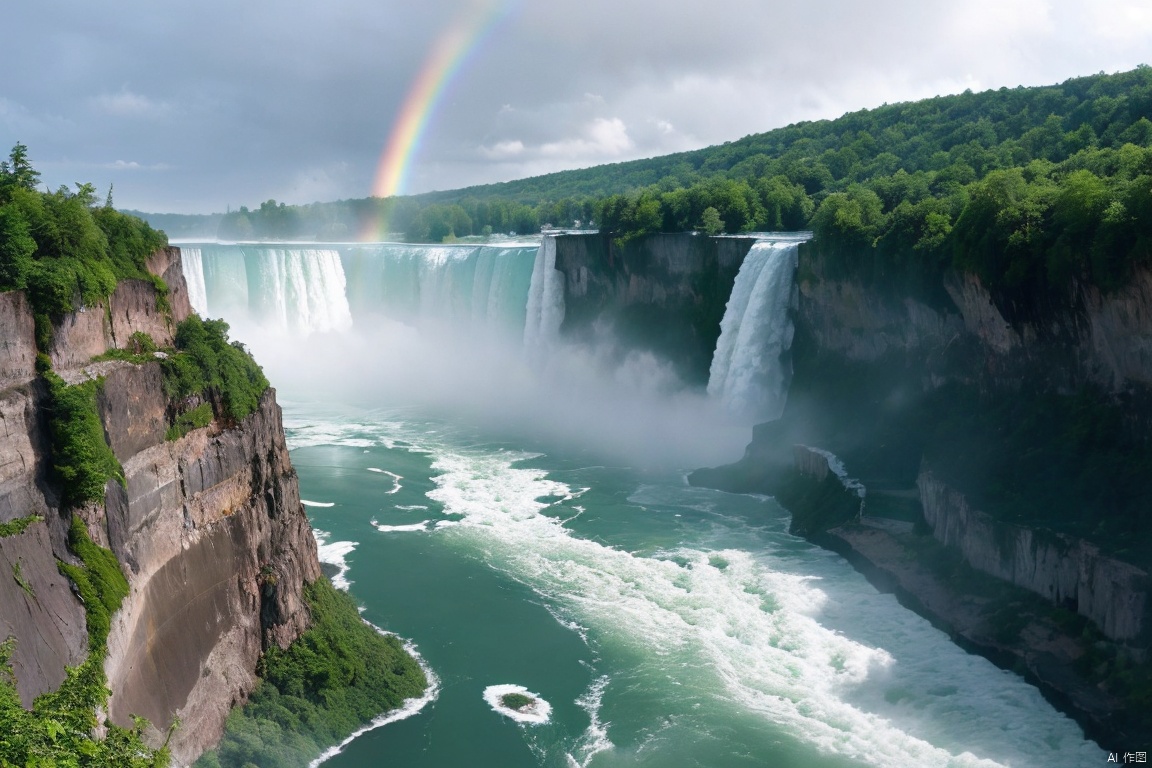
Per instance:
{"type": "Point", "coordinates": [1066, 570]}
{"type": "Point", "coordinates": [663, 294]}
{"type": "Point", "coordinates": [208, 528]}
{"type": "Point", "coordinates": [1003, 442]}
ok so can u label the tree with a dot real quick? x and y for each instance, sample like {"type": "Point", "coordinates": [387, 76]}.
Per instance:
{"type": "Point", "coordinates": [17, 171]}
{"type": "Point", "coordinates": [710, 221]}
{"type": "Point", "coordinates": [16, 249]}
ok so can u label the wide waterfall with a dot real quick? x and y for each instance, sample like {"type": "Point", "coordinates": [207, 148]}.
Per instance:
{"type": "Point", "coordinates": [300, 289]}
{"type": "Point", "coordinates": [295, 290]}
{"type": "Point", "coordinates": [749, 373]}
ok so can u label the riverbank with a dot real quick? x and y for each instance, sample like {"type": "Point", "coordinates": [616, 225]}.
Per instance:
{"type": "Point", "coordinates": [1051, 647]}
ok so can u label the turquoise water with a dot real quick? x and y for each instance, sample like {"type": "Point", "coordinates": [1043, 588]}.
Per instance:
{"type": "Point", "coordinates": [522, 522]}
{"type": "Point", "coordinates": [665, 625]}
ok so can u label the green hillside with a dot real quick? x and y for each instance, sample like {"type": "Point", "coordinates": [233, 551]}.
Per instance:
{"type": "Point", "coordinates": [1030, 183]}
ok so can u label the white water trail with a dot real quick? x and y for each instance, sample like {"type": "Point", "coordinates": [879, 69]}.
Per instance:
{"type": "Point", "coordinates": [409, 708]}
{"type": "Point", "coordinates": [729, 621]}
{"type": "Point", "coordinates": [749, 375]}
{"type": "Point", "coordinates": [335, 553]}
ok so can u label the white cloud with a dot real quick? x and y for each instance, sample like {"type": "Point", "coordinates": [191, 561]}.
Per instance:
{"type": "Point", "coordinates": [132, 165]}
{"type": "Point", "coordinates": [1123, 21]}
{"type": "Point", "coordinates": [129, 104]}
{"type": "Point", "coordinates": [599, 140]}
{"type": "Point", "coordinates": [504, 150]}
{"type": "Point", "coordinates": [603, 138]}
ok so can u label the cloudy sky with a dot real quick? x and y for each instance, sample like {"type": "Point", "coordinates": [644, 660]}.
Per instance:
{"type": "Point", "coordinates": [194, 106]}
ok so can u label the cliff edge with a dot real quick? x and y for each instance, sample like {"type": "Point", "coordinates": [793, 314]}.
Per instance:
{"type": "Point", "coordinates": [207, 526]}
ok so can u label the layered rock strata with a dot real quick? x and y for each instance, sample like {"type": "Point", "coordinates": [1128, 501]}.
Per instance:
{"type": "Point", "coordinates": [208, 528]}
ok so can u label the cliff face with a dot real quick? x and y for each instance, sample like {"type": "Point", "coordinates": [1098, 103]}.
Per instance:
{"type": "Point", "coordinates": [209, 528]}
{"type": "Point", "coordinates": [663, 294]}
{"type": "Point", "coordinates": [1086, 338]}
{"type": "Point", "coordinates": [1064, 569]}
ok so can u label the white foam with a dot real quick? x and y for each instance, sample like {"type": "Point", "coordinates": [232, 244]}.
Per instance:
{"type": "Point", "coordinates": [536, 713]}
{"type": "Point", "coordinates": [411, 527]}
{"type": "Point", "coordinates": [411, 507]}
{"type": "Point", "coordinates": [407, 709]}
{"type": "Point", "coordinates": [752, 630]}
{"type": "Point", "coordinates": [395, 478]}
{"type": "Point", "coordinates": [308, 503]}
{"type": "Point", "coordinates": [595, 739]}
{"type": "Point", "coordinates": [334, 553]}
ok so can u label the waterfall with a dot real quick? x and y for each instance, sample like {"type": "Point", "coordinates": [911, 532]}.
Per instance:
{"type": "Point", "coordinates": [749, 374]}
{"type": "Point", "coordinates": [300, 289]}
{"type": "Point", "coordinates": [545, 310]}
{"type": "Point", "coordinates": [194, 276]}
{"type": "Point", "coordinates": [475, 290]}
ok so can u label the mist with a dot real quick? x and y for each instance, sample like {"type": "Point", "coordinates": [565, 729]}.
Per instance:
{"type": "Point", "coordinates": [633, 409]}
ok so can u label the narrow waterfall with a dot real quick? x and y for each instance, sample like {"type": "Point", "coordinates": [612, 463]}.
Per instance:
{"type": "Point", "coordinates": [194, 276]}
{"type": "Point", "coordinates": [545, 310]}
{"type": "Point", "coordinates": [749, 374]}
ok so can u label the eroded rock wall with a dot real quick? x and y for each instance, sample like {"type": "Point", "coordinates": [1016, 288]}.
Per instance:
{"type": "Point", "coordinates": [1066, 570]}
{"type": "Point", "coordinates": [209, 528]}
{"type": "Point", "coordinates": [661, 294]}
{"type": "Point", "coordinates": [218, 548]}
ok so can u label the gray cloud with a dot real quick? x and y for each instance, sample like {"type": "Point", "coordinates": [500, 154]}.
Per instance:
{"type": "Point", "coordinates": [196, 106]}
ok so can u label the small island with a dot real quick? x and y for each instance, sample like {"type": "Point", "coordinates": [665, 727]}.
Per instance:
{"type": "Point", "coordinates": [518, 703]}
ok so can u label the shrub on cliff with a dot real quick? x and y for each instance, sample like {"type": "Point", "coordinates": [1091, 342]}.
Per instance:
{"type": "Point", "coordinates": [336, 677]}
{"type": "Point", "coordinates": [206, 363]}
{"type": "Point", "coordinates": [80, 456]}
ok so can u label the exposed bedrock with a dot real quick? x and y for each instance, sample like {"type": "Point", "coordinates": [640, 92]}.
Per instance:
{"type": "Point", "coordinates": [663, 294]}
{"type": "Point", "coordinates": [1064, 569]}
{"type": "Point", "coordinates": [209, 528]}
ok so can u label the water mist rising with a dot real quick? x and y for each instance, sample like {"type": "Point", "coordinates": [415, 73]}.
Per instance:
{"type": "Point", "coordinates": [468, 330]}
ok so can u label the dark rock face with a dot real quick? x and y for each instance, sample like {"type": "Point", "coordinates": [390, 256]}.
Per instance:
{"type": "Point", "coordinates": [1064, 569]}
{"type": "Point", "coordinates": [45, 618]}
{"type": "Point", "coordinates": [663, 294]}
{"type": "Point", "coordinates": [209, 529]}
{"type": "Point", "coordinates": [132, 408]}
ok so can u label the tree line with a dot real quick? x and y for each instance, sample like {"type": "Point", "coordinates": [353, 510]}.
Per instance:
{"type": "Point", "coordinates": [1021, 185]}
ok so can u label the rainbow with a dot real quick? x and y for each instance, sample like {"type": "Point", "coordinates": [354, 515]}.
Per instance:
{"type": "Point", "coordinates": [447, 57]}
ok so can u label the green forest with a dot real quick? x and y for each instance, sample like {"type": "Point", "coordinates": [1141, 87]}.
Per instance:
{"type": "Point", "coordinates": [63, 248]}
{"type": "Point", "coordinates": [1023, 186]}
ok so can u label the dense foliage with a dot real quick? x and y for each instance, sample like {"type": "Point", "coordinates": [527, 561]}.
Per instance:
{"type": "Point", "coordinates": [206, 364]}
{"type": "Point", "coordinates": [81, 457]}
{"type": "Point", "coordinates": [57, 731]}
{"type": "Point", "coordinates": [337, 676]}
{"type": "Point", "coordinates": [62, 247]}
{"type": "Point", "coordinates": [1025, 186]}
